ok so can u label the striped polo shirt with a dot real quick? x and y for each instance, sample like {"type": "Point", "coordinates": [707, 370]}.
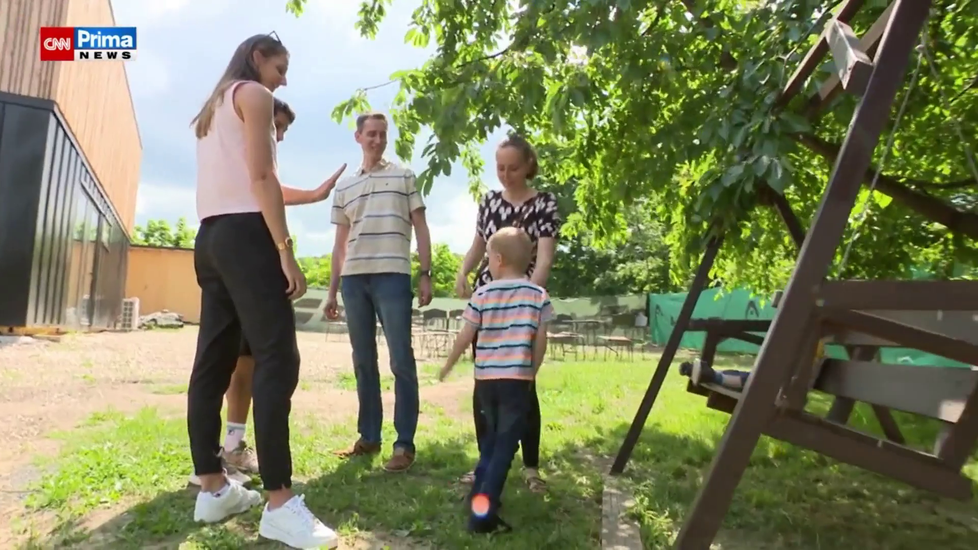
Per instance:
{"type": "Point", "coordinates": [377, 206]}
{"type": "Point", "coordinates": [507, 314]}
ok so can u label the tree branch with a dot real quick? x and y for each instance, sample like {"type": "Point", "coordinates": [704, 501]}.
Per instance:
{"type": "Point", "coordinates": [932, 208]}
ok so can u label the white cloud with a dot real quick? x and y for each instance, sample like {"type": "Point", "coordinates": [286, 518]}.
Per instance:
{"type": "Point", "coordinates": [149, 76]}
{"type": "Point", "coordinates": [168, 201]}
{"type": "Point", "coordinates": [158, 13]}
{"type": "Point", "coordinates": [452, 221]}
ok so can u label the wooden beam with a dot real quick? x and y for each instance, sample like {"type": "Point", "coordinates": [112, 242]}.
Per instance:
{"type": "Point", "coordinates": [815, 55]}
{"type": "Point", "coordinates": [668, 354]}
{"type": "Point", "coordinates": [903, 334]}
{"type": "Point", "coordinates": [900, 295]}
{"type": "Point", "coordinates": [869, 453]}
{"type": "Point", "coordinates": [961, 438]}
{"type": "Point", "coordinates": [888, 424]}
{"type": "Point", "coordinates": [832, 86]}
{"type": "Point", "coordinates": [728, 327]}
{"type": "Point", "coordinates": [846, 445]}
{"type": "Point", "coordinates": [790, 219]}
{"type": "Point", "coordinates": [852, 65]}
{"type": "Point", "coordinates": [934, 392]}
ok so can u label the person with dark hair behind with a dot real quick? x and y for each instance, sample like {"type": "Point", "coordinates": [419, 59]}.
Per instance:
{"type": "Point", "coordinates": [516, 205]}
{"type": "Point", "coordinates": [240, 459]}
{"type": "Point", "coordinates": [248, 276]}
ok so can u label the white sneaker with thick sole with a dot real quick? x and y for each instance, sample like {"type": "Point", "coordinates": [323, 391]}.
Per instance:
{"type": "Point", "coordinates": [231, 500]}
{"type": "Point", "coordinates": [294, 525]}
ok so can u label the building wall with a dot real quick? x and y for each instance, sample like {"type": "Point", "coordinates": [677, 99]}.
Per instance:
{"type": "Point", "coordinates": [163, 278]}
{"type": "Point", "coordinates": [20, 53]}
{"type": "Point", "coordinates": [94, 98]}
{"type": "Point", "coordinates": [62, 247]}
{"type": "Point", "coordinates": [102, 117]}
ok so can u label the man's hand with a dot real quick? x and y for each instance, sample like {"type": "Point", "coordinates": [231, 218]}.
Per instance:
{"type": "Point", "coordinates": [331, 309]}
{"type": "Point", "coordinates": [327, 186]}
{"type": "Point", "coordinates": [424, 290]}
{"type": "Point", "coordinates": [444, 372]}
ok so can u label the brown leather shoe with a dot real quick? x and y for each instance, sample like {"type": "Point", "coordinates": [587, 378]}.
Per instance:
{"type": "Point", "coordinates": [401, 461]}
{"type": "Point", "coordinates": [360, 448]}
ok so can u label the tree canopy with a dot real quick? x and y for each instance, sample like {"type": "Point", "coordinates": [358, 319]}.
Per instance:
{"type": "Point", "coordinates": [159, 233]}
{"type": "Point", "coordinates": [676, 103]}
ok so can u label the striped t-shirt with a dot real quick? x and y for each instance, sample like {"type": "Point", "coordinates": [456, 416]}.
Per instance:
{"type": "Point", "coordinates": [507, 314]}
{"type": "Point", "coordinates": [377, 205]}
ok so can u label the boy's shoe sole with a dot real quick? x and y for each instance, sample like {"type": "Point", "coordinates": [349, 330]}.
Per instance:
{"type": "Point", "coordinates": [493, 524]}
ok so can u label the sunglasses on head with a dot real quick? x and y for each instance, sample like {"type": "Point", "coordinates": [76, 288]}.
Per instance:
{"type": "Point", "coordinates": [274, 35]}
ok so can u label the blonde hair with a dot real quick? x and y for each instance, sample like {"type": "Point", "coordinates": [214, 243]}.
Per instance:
{"type": "Point", "coordinates": [514, 247]}
{"type": "Point", "coordinates": [241, 67]}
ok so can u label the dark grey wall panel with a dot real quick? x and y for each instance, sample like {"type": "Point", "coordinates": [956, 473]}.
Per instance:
{"type": "Point", "coordinates": [63, 252]}
{"type": "Point", "coordinates": [23, 141]}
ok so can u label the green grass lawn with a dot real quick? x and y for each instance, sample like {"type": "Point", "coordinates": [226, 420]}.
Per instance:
{"type": "Point", "coordinates": [130, 472]}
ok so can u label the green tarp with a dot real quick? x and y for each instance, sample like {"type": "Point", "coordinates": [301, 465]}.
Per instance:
{"type": "Point", "coordinates": [741, 304]}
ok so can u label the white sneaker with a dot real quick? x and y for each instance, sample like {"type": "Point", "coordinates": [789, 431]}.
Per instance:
{"type": "Point", "coordinates": [294, 525]}
{"type": "Point", "coordinates": [229, 501]}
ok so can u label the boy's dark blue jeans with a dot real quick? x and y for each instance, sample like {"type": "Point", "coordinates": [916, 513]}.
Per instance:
{"type": "Point", "coordinates": [505, 408]}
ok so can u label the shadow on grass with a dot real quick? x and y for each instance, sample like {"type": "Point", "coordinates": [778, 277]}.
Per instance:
{"type": "Point", "coordinates": [420, 509]}
{"type": "Point", "coordinates": [788, 498]}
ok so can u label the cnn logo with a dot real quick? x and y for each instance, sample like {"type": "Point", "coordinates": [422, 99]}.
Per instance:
{"type": "Point", "coordinates": [56, 44]}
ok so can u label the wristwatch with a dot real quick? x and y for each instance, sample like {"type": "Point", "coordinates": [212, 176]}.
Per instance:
{"type": "Point", "coordinates": [425, 273]}
{"type": "Point", "coordinates": [283, 246]}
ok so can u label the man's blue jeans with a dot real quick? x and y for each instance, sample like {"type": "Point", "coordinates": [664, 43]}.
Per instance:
{"type": "Point", "coordinates": [386, 296]}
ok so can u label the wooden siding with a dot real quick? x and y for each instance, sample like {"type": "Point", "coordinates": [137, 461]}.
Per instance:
{"type": "Point", "coordinates": [95, 101]}
{"type": "Point", "coordinates": [163, 278]}
{"type": "Point", "coordinates": [20, 48]}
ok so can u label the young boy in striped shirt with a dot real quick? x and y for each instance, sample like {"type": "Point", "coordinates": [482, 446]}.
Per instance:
{"type": "Point", "coordinates": [510, 317]}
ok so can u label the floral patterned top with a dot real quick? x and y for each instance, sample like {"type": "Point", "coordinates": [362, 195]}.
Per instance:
{"type": "Point", "coordinates": [538, 216]}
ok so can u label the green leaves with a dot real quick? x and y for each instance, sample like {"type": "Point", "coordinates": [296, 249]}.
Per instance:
{"type": "Point", "coordinates": [628, 100]}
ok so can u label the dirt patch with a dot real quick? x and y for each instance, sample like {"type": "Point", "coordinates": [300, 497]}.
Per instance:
{"type": "Point", "coordinates": [51, 386]}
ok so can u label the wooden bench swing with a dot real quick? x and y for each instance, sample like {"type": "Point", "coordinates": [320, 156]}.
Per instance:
{"type": "Point", "coordinates": [937, 317]}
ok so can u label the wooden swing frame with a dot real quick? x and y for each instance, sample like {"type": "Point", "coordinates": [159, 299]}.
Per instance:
{"type": "Point", "coordinates": [812, 307]}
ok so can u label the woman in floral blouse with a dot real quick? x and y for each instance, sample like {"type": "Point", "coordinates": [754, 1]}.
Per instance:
{"type": "Point", "coordinates": [519, 205]}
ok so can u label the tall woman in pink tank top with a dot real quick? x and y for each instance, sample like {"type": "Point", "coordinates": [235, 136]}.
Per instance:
{"type": "Point", "coordinates": [248, 276]}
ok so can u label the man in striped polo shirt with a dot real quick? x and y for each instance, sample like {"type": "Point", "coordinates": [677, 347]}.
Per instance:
{"type": "Point", "coordinates": [374, 212]}
{"type": "Point", "coordinates": [509, 315]}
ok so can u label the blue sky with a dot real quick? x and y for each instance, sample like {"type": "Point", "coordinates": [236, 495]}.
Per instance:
{"type": "Point", "coordinates": [184, 46]}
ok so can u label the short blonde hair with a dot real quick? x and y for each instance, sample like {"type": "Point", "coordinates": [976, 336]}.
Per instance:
{"type": "Point", "coordinates": [373, 115]}
{"type": "Point", "coordinates": [514, 247]}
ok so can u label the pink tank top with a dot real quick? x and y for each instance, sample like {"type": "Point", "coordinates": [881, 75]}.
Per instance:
{"type": "Point", "coordinates": [223, 181]}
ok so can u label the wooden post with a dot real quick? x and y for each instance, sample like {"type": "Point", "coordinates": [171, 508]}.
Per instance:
{"type": "Point", "coordinates": [852, 65]}
{"type": "Point", "coordinates": [756, 408]}
{"type": "Point", "coordinates": [668, 354]}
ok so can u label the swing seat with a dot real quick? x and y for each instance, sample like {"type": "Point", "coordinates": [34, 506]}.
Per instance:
{"type": "Point", "coordinates": [934, 392]}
